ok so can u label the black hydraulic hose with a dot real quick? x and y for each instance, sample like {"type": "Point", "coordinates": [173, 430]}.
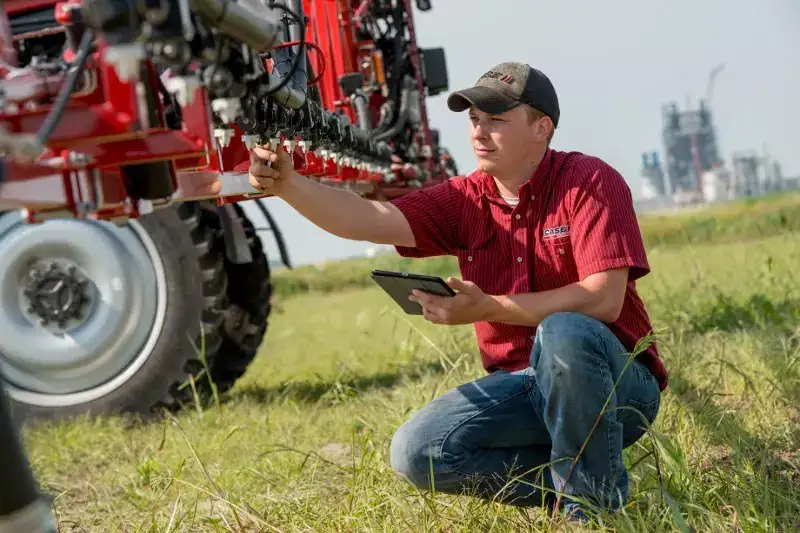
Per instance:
{"type": "Point", "coordinates": [359, 100]}
{"type": "Point", "coordinates": [284, 252]}
{"type": "Point", "coordinates": [299, 57]}
{"type": "Point", "coordinates": [397, 71]}
{"type": "Point", "coordinates": [21, 505]}
{"type": "Point", "coordinates": [401, 115]}
{"type": "Point", "coordinates": [54, 117]}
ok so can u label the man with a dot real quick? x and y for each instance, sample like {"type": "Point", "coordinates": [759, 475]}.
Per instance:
{"type": "Point", "coordinates": [549, 250]}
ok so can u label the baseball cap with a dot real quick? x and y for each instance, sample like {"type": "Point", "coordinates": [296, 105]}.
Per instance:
{"type": "Point", "coordinates": [504, 87]}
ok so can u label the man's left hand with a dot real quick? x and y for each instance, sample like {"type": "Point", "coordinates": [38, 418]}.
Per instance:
{"type": "Point", "coordinates": [469, 305]}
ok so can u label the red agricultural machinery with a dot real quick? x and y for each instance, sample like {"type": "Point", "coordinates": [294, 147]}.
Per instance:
{"type": "Point", "coordinates": [132, 276]}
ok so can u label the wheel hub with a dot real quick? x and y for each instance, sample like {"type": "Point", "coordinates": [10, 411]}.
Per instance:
{"type": "Point", "coordinates": [57, 294]}
{"type": "Point", "coordinates": [82, 304]}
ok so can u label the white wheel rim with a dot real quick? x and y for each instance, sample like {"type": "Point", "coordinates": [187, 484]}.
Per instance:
{"type": "Point", "coordinates": [119, 345]}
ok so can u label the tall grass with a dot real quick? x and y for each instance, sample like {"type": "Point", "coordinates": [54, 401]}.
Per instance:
{"type": "Point", "coordinates": [301, 443]}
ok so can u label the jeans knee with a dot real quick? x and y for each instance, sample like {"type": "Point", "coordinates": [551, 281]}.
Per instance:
{"type": "Point", "coordinates": [411, 457]}
{"type": "Point", "coordinates": [568, 337]}
{"type": "Point", "coordinates": [569, 354]}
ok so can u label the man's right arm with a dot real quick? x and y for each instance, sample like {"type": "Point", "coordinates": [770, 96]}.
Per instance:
{"type": "Point", "coordinates": [421, 223]}
{"type": "Point", "coordinates": [346, 214]}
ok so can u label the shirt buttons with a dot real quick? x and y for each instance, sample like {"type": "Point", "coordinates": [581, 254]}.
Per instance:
{"type": "Point", "coordinates": [561, 251]}
{"type": "Point", "coordinates": [519, 260]}
{"type": "Point", "coordinates": [519, 216]}
{"type": "Point", "coordinates": [469, 258]}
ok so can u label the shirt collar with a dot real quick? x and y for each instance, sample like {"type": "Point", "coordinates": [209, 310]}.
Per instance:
{"type": "Point", "coordinates": [532, 185]}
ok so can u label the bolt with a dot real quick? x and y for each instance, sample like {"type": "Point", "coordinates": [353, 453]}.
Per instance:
{"type": "Point", "coordinates": [169, 50]}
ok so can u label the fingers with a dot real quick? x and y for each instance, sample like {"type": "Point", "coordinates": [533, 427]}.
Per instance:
{"type": "Point", "coordinates": [263, 178]}
{"type": "Point", "coordinates": [431, 316]}
{"type": "Point", "coordinates": [434, 308]}
{"type": "Point", "coordinates": [429, 299]}
{"type": "Point", "coordinates": [267, 167]}
{"type": "Point", "coordinates": [261, 170]}
{"type": "Point", "coordinates": [262, 154]}
{"type": "Point", "coordinates": [262, 184]}
{"type": "Point", "coordinates": [462, 285]}
{"type": "Point", "coordinates": [280, 157]}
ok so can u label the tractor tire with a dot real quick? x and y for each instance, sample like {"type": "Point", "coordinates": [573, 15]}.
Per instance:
{"type": "Point", "coordinates": [249, 306]}
{"type": "Point", "coordinates": [99, 319]}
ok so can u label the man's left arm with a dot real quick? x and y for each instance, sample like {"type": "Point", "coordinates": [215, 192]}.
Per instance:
{"type": "Point", "coordinates": [599, 295]}
{"type": "Point", "coordinates": [608, 251]}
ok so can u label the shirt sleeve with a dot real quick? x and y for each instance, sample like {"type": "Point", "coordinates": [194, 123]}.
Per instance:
{"type": "Point", "coordinates": [433, 214]}
{"type": "Point", "coordinates": [604, 230]}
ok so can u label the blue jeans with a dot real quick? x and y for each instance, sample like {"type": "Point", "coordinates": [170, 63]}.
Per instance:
{"type": "Point", "coordinates": [512, 436]}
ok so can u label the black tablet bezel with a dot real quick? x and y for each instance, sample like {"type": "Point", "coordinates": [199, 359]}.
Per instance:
{"type": "Point", "coordinates": [398, 285]}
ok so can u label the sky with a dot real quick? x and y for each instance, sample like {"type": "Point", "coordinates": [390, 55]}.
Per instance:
{"type": "Point", "coordinates": [614, 63]}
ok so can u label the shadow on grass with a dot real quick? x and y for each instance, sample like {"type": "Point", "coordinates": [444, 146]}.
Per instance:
{"type": "Point", "coordinates": [336, 388]}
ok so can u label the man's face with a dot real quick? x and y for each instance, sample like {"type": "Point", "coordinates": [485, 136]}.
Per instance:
{"type": "Point", "coordinates": [505, 144]}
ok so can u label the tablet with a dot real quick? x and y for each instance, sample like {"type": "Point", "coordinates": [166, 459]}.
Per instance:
{"type": "Point", "coordinates": [399, 285]}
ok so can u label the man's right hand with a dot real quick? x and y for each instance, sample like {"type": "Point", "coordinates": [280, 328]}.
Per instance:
{"type": "Point", "coordinates": [270, 171]}
{"type": "Point", "coordinates": [338, 211]}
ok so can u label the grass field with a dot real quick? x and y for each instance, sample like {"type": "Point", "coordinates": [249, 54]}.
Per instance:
{"type": "Point", "coordinates": [302, 442]}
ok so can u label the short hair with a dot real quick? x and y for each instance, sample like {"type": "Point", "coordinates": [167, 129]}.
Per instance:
{"type": "Point", "coordinates": [534, 115]}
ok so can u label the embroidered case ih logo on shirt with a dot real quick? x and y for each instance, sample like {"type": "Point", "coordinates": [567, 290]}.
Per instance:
{"type": "Point", "coordinates": [557, 232]}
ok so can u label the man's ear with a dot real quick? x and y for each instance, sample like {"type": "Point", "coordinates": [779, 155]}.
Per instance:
{"type": "Point", "coordinates": [548, 128]}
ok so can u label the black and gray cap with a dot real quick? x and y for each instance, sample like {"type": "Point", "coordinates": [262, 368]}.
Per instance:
{"type": "Point", "coordinates": [504, 87]}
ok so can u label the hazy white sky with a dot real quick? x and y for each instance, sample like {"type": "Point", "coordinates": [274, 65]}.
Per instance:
{"type": "Point", "coordinates": [614, 63]}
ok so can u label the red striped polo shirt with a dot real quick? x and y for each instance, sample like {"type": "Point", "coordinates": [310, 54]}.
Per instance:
{"type": "Point", "coordinates": [575, 217]}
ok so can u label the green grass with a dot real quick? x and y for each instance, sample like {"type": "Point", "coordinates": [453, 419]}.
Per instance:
{"type": "Point", "coordinates": [742, 219]}
{"type": "Point", "coordinates": [301, 444]}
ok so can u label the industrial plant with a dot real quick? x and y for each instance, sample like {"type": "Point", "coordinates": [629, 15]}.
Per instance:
{"type": "Point", "coordinates": [693, 170]}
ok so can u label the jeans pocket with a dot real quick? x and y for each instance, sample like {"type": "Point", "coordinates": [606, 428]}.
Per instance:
{"type": "Point", "coordinates": [647, 409]}
{"type": "Point", "coordinates": [641, 408]}
{"type": "Point", "coordinates": [635, 417]}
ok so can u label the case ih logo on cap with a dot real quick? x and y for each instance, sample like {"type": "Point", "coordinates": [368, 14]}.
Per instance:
{"type": "Point", "coordinates": [556, 232]}
{"type": "Point", "coordinates": [505, 78]}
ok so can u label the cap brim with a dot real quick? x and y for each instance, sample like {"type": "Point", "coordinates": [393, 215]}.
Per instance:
{"type": "Point", "coordinates": [486, 99]}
